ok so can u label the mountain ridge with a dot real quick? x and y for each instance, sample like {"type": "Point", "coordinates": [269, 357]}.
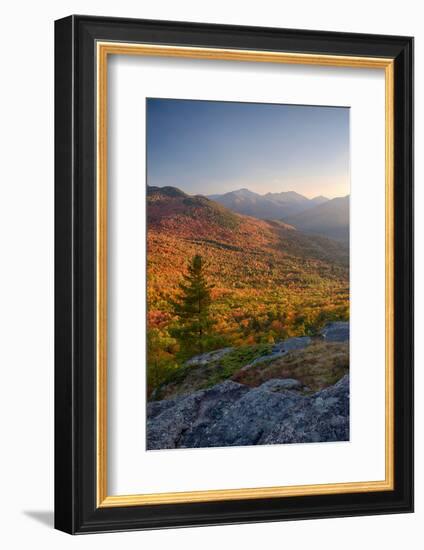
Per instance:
{"type": "Point", "coordinates": [269, 281]}
{"type": "Point", "coordinates": [197, 216]}
{"type": "Point", "coordinates": [329, 219]}
{"type": "Point", "coordinates": [277, 205]}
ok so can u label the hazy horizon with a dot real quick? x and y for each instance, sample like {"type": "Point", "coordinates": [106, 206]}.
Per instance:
{"type": "Point", "coordinates": [215, 147]}
{"type": "Point", "coordinates": [247, 189]}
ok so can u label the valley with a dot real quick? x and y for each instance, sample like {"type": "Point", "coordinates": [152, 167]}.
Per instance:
{"type": "Point", "coordinates": [269, 281]}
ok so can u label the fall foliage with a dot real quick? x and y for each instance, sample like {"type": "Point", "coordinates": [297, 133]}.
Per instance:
{"type": "Point", "coordinates": [260, 281]}
{"type": "Point", "coordinates": [194, 325]}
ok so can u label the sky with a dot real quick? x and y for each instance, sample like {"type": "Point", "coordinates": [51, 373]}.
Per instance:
{"type": "Point", "coordinates": [213, 147]}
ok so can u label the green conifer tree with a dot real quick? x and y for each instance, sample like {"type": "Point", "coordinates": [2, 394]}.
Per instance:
{"type": "Point", "coordinates": [192, 308]}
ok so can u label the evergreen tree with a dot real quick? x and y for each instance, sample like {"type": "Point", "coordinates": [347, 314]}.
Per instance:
{"type": "Point", "coordinates": [192, 308]}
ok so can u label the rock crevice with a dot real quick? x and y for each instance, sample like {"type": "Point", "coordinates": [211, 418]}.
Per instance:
{"type": "Point", "coordinates": [232, 414]}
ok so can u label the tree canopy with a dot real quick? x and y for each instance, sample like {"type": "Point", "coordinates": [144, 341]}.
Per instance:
{"type": "Point", "coordinates": [192, 309]}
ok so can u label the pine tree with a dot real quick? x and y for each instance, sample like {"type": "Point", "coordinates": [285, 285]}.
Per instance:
{"type": "Point", "coordinates": [192, 309]}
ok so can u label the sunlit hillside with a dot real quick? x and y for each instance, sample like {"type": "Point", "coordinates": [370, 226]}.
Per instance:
{"type": "Point", "coordinates": [270, 281]}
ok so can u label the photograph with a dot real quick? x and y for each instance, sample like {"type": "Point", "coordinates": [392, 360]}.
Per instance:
{"type": "Point", "coordinates": [233, 268]}
{"type": "Point", "coordinates": [247, 208]}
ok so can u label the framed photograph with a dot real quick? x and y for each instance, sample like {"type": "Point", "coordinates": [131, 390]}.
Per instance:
{"type": "Point", "coordinates": [234, 270]}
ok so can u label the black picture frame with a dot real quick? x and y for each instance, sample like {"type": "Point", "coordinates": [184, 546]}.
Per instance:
{"type": "Point", "coordinates": [76, 510]}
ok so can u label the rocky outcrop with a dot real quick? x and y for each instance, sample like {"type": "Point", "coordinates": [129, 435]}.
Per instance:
{"type": "Point", "coordinates": [336, 332]}
{"type": "Point", "coordinates": [294, 358]}
{"type": "Point", "coordinates": [169, 422]}
{"type": "Point", "coordinates": [206, 358]}
{"type": "Point", "coordinates": [280, 349]}
{"type": "Point", "coordinates": [322, 417]}
{"type": "Point", "coordinates": [230, 414]}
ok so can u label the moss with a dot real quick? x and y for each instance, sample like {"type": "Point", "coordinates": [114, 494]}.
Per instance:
{"type": "Point", "coordinates": [234, 361]}
{"type": "Point", "coordinates": [205, 376]}
{"type": "Point", "coordinates": [318, 366]}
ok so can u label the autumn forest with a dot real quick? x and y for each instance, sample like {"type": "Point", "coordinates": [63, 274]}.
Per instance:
{"type": "Point", "coordinates": [217, 278]}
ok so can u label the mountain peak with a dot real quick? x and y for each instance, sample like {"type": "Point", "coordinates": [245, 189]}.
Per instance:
{"type": "Point", "coordinates": [329, 219]}
{"type": "Point", "coordinates": [320, 199]}
{"type": "Point", "coordinates": [243, 192]}
{"type": "Point", "coordinates": [287, 197]}
{"type": "Point", "coordinates": [271, 206]}
{"type": "Point", "coordinates": [166, 191]}
{"type": "Point", "coordinates": [170, 203]}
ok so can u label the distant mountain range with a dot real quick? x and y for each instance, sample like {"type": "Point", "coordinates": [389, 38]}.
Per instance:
{"type": "Point", "coordinates": [268, 280]}
{"type": "Point", "coordinates": [269, 206]}
{"type": "Point", "coordinates": [329, 219]}
{"type": "Point", "coordinates": [185, 219]}
{"type": "Point", "coordinates": [252, 263]}
{"type": "Point", "coordinates": [320, 215]}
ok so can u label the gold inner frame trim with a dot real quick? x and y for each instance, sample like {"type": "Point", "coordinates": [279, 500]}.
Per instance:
{"type": "Point", "coordinates": [103, 50]}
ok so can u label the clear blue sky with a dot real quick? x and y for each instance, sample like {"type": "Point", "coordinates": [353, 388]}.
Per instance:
{"type": "Point", "coordinates": [207, 147]}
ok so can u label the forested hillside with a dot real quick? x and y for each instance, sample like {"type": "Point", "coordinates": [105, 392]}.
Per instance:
{"type": "Point", "coordinates": [265, 280]}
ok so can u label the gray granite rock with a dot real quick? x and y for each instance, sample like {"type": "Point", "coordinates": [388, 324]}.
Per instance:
{"type": "Point", "coordinates": [166, 429]}
{"type": "Point", "coordinates": [280, 349]}
{"type": "Point", "coordinates": [205, 358]}
{"type": "Point", "coordinates": [281, 384]}
{"type": "Point", "coordinates": [231, 414]}
{"type": "Point", "coordinates": [155, 408]}
{"type": "Point", "coordinates": [244, 422]}
{"type": "Point", "coordinates": [322, 417]}
{"type": "Point", "coordinates": [336, 332]}
{"type": "Point", "coordinates": [292, 344]}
